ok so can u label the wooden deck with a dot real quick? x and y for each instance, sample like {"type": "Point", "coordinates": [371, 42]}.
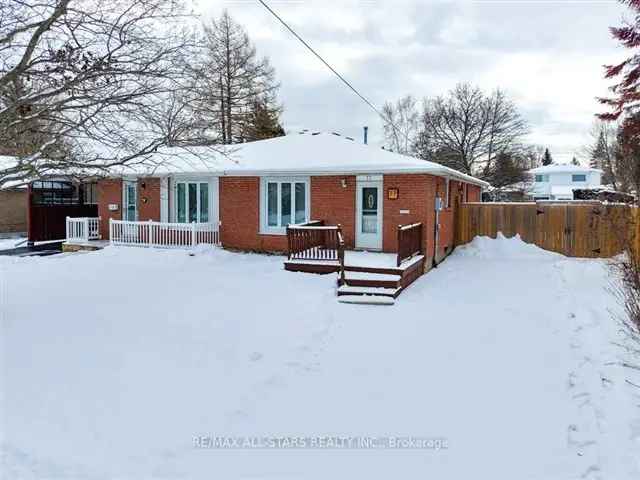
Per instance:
{"type": "Point", "coordinates": [366, 273]}
{"type": "Point", "coordinates": [318, 248]}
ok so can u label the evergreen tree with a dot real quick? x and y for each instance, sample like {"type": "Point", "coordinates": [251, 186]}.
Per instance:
{"type": "Point", "coordinates": [574, 161]}
{"type": "Point", "coordinates": [262, 123]}
{"type": "Point", "coordinates": [509, 168]}
{"type": "Point", "coordinates": [547, 159]}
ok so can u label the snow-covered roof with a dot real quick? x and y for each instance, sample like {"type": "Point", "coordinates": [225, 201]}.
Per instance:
{"type": "Point", "coordinates": [563, 168]}
{"type": "Point", "coordinates": [294, 154]}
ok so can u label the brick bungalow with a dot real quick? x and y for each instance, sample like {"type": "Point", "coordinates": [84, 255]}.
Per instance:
{"type": "Point", "coordinates": [259, 188]}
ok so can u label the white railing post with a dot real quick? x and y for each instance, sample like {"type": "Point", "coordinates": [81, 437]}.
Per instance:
{"type": "Point", "coordinates": [110, 231]}
{"type": "Point", "coordinates": [193, 234]}
{"type": "Point", "coordinates": [150, 230]}
{"type": "Point", "coordinates": [86, 229]}
{"type": "Point", "coordinates": [68, 228]}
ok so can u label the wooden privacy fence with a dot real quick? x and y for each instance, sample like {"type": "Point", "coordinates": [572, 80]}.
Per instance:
{"type": "Point", "coordinates": [590, 229]}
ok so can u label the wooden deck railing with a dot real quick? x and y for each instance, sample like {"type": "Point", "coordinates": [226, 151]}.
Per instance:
{"type": "Point", "coordinates": [314, 241]}
{"type": "Point", "coordinates": [409, 241]}
{"type": "Point", "coordinates": [341, 256]}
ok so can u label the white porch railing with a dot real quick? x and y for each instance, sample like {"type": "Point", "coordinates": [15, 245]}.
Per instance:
{"type": "Point", "coordinates": [160, 234]}
{"type": "Point", "coordinates": [83, 229]}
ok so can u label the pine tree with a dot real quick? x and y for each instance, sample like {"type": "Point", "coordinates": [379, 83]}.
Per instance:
{"type": "Point", "coordinates": [574, 161]}
{"type": "Point", "coordinates": [627, 90]}
{"type": "Point", "coordinates": [262, 123]}
{"type": "Point", "coordinates": [547, 159]}
{"type": "Point", "coordinates": [507, 170]}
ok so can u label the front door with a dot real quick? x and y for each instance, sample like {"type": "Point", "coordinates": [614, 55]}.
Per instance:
{"type": "Point", "coordinates": [369, 215]}
{"type": "Point", "coordinates": [130, 202]}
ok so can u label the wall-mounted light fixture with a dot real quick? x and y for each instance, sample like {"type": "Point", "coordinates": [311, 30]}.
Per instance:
{"type": "Point", "coordinates": [344, 183]}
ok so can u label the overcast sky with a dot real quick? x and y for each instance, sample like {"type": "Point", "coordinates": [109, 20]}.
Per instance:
{"type": "Point", "coordinates": [547, 54]}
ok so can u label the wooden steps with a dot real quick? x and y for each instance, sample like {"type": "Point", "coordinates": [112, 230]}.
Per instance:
{"type": "Point", "coordinates": [366, 300]}
{"type": "Point", "coordinates": [385, 282]}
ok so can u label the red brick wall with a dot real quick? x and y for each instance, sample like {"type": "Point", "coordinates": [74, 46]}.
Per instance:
{"type": "Point", "coordinates": [149, 190]}
{"type": "Point", "coordinates": [109, 191]}
{"type": "Point", "coordinates": [334, 204]}
{"type": "Point", "coordinates": [474, 193]}
{"type": "Point", "coordinates": [240, 217]}
{"type": "Point", "coordinates": [416, 193]}
{"type": "Point", "coordinates": [13, 210]}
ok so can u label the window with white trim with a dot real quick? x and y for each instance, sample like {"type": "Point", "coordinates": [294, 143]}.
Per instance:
{"type": "Point", "coordinates": [580, 177]}
{"type": "Point", "coordinates": [283, 201]}
{"type": "Point", "coordinates": [192, 202]}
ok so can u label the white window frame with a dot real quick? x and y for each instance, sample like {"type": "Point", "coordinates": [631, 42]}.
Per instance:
{"type": "Point", "coordinates": [544, 178]}
{"type": "Point", "coordinates": [186, 183]}
{"type": "Point", "coordinates": [282, 230]}
{"type": "Point", "coordinates": [574, 175]}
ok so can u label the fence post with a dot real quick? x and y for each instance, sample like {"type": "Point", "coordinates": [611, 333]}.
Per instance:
{"type": "Point", "coordinates": [110, 231]}
{"type": "Point", "coordinates": [86, 229]}
{"type": "Point", "coordinates": [149, 233]}
{"type": "Point", "coordinates": [193, 234]}
{"type": "Point", "coordinates": [67, 229]}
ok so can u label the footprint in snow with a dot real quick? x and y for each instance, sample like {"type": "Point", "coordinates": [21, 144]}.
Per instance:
{"type": "Point", "coordinates": [256, 356]}
{"type": "Point", "coordinates": [274, 381]}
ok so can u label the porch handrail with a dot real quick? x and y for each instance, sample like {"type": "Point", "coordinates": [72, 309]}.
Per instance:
{"type": "Point", "coordinates": [341, 255]}
{"type": "Point", "coordinates": [409, 241]}
{"type": "Point", "coordinates": [313, 241]}
{"type": "Point", "coordinates": [162, 234]}
{"type": "Point", "coordinates": [82, 229]}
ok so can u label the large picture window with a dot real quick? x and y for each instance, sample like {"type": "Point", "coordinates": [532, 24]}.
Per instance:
{"type": "Point", "coordinates": [192, 202]}
{"type": "Point", "coordinates": [284, 201]}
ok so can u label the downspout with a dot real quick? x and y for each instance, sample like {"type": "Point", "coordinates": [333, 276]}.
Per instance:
{"type": "Point", "coordinates": [436, 229]}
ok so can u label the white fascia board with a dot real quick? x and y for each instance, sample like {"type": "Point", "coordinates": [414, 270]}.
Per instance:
{"type": "Point", "coordinates": [440, 171]}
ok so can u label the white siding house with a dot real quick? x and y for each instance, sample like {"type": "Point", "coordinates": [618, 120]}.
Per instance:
{"type": "Point", "coordinates": [556, 182]}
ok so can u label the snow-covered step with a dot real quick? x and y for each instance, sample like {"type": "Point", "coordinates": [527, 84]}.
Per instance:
{"type": "Point", "coordinates": [383, 277]}
{"type": "Point", "coordinates": [366, 299]}
{"type": "Point", "coordinates": [352, 290]}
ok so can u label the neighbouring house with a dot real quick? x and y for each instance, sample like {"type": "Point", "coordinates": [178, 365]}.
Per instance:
{"type": "Point", "coordinates": [556, 182]}
{"type": "Point", "coordinates": [13, 212]}
{"type": "Point", "coordinates": [252, 194]}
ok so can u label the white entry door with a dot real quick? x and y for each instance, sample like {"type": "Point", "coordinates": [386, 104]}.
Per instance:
{"type": "Point", "coordinates": [369, 215]}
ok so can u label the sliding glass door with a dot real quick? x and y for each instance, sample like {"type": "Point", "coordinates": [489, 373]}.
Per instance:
{"type": "Point", "coordinates": [192, 202]}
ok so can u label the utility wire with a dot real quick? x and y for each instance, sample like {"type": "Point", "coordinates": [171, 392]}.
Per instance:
{"type": "Point", "coordinates": [335, 72]}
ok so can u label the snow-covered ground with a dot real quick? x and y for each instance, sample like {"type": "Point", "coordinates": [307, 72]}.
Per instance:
{"type": "Point", "coordinates": [119, 363]}
{"type": "Point", "coordinates": [7, 243]}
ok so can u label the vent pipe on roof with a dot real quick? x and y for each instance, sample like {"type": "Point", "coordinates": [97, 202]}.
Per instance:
{"type": "Point", "coordinates": [366, 134]}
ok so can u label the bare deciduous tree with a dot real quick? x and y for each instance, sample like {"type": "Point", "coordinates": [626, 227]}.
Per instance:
{"type": "Point", "coordinates": [473, 126]}
{"type": "Point", "coordinates": [87, 75]}
{"type": "Point", "coordinates": [401, 125]}
{"type": "Point", "coordinates": [233, 80]}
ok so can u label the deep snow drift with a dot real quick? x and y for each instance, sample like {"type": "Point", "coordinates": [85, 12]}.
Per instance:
{"type": "Point", "coordinates": [113, 361]}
